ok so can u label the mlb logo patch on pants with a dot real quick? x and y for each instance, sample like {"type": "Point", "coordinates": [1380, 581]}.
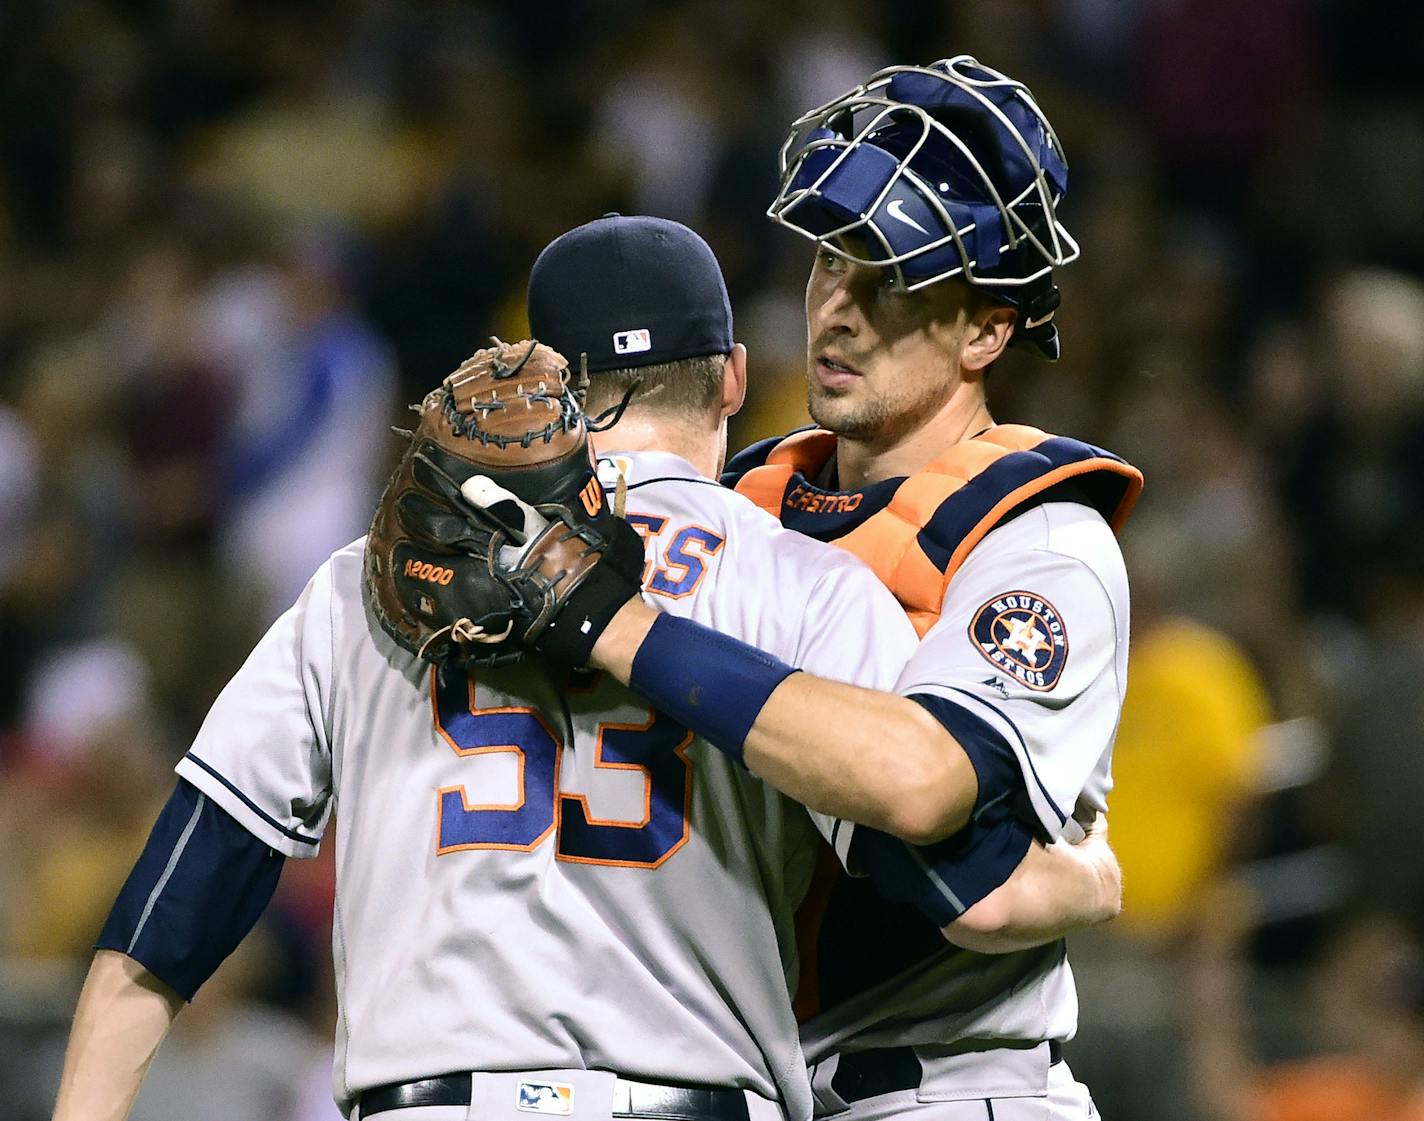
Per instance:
{"type": "Point", "coordinates": [555, 1098]}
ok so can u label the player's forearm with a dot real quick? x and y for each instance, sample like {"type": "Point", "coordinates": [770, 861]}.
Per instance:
{"type": "Point", "coordinates": [1054, 891]}
{"type": "Point", "coordinates": [124, 1014]}
{"type": "Point", "coordinates": [870, 757]}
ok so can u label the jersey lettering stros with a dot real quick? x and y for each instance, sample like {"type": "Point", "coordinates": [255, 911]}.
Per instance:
{"type": "Point", "coordinates": [1032, 641]}
{"type": "Point", "coordinates": [536, 870]}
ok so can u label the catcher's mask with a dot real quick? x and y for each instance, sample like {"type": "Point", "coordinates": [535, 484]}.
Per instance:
{"type": "Point", "coordinates": [932, 172]}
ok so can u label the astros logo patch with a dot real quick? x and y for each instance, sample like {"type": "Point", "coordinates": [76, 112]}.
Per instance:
{"type": "Point", "coordinates": [545, 1097]}
{"type": "Point", "coordinates": [1021, 634]}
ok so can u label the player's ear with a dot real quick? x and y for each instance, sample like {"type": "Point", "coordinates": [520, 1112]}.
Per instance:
{"type": "Point", "coordinates": [991, 324]}
{"type": "Point", "coordinates": [734, 380]}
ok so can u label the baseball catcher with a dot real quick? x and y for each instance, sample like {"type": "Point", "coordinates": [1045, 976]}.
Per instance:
{"type": "Point", "coordinates": [432, 573]}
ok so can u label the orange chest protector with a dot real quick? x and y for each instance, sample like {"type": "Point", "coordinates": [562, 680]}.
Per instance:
{"type": "Point", "coordinates": [915, 532]}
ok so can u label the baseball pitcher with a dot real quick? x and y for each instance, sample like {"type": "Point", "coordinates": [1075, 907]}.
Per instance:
{"type": "Point", "coordinates": [551, 898]}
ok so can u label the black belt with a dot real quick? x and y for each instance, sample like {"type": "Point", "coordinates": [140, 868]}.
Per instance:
{"type": "Point", "coordinates": [884, 1070]}
{"type": "Point", "coordinates": [630, 1099]}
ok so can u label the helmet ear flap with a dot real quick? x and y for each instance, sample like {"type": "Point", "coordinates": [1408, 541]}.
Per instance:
{"type": "Point", "coordinates": [1040, 308]}
{"type": "Point", "coordinates": [1035, 329]}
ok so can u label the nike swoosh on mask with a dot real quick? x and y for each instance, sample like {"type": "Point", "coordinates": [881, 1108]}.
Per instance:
{"type": "Point", "coordinates": [896, 210]}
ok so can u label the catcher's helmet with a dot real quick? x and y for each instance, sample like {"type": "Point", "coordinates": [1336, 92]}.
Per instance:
{"type": "Point", "coordinates": [942, 170]}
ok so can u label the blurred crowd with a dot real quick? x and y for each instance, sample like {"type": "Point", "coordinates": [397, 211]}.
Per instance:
{"type": "Point", "coordinates": [236, 238]}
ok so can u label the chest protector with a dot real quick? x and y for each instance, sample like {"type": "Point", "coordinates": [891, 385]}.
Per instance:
{"type": "Point", "coordinates": [917, 531]}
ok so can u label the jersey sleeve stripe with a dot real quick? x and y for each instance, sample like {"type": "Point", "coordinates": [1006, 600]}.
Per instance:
{"type": "Point", "coordinates": [1024, 755]}
{"type": "Point", "coordinates": [293, 834]}
{"type": "Point", "coordinates": [670, 479]}
{"type": "Point", "coordinates": [173, 859]}
{"type": "Point", "coordinates": [842, 838]}
{"type": "Point", "coordinates": [934, 878]}
{"type": "Point", "coordinates": [903, 873]}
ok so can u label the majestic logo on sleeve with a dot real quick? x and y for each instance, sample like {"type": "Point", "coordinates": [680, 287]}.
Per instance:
{"type": "Point", "coordinates": [1022, 635]}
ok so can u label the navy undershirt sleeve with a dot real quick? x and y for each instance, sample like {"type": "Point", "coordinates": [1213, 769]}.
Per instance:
{"type": "Point", "coordinates": [198, 887]}
{"type": "Point", "coordinates": [945, 879]}
{"type": "Point", "coordinates": [995, 764]}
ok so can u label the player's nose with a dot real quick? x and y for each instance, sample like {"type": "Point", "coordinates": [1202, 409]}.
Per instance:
{"type": "Point", "coordinates": [831, 306]}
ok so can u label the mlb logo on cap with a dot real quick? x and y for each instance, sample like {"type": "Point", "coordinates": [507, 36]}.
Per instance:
{"type": "Point", "coordinates": [632, 342]}
{"type": "Point", "coordinates": [546, 1097]}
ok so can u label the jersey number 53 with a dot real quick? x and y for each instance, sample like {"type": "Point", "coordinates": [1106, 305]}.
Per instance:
{"type": "Point", "coordinates": [656, 747]}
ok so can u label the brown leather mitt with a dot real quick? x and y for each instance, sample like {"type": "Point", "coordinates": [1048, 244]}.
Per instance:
{"type": "Point", "coordinates": [508, 413]}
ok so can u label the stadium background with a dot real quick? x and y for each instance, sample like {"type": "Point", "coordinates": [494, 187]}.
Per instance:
{"type": "Point", "coordinates": [235, 237]}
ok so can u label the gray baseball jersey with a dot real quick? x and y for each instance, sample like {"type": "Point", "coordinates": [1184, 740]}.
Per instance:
{"type": "Point", "coordinates": [1032, 642]}
{"type": "Point", "coordinates": [536, 871]}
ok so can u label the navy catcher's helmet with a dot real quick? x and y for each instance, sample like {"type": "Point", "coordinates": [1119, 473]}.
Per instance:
{"type": "Point", "coordinates": [942, 170]}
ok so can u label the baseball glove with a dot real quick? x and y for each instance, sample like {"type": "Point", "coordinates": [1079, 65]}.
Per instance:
{"type": "Point", "coordinates": [430, 576]}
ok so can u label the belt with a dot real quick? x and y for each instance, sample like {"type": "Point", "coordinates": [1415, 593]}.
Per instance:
{"type": "Point", "coordinates": [630, 1099]}
{"type": "Point", "coordinates": [884, 1070]}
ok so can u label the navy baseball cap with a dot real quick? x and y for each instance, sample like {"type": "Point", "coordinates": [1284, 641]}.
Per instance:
{"type": "Point", "coordinates": [629, 291]}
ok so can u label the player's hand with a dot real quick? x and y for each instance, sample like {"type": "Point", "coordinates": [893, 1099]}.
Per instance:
{"type": "Point", "coordinates": [1095, 852]}
{"type": "Point", "coordinates": [567, 570]}
{"type": "Point", "coordinates": [1097, 827]}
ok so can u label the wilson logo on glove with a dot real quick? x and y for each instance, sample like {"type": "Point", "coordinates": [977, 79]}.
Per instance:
{"type": "Point", "coordinates": [432, 572]}
{"type": "Point", "coordinates": [592, 497]}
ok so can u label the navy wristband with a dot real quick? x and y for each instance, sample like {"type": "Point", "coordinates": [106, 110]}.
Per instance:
{"type": "Point", "coordinates": [711, 684]}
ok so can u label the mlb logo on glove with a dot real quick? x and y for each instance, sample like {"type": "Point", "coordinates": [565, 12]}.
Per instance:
{"type": "Point", "coordinates": [632, 342]}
